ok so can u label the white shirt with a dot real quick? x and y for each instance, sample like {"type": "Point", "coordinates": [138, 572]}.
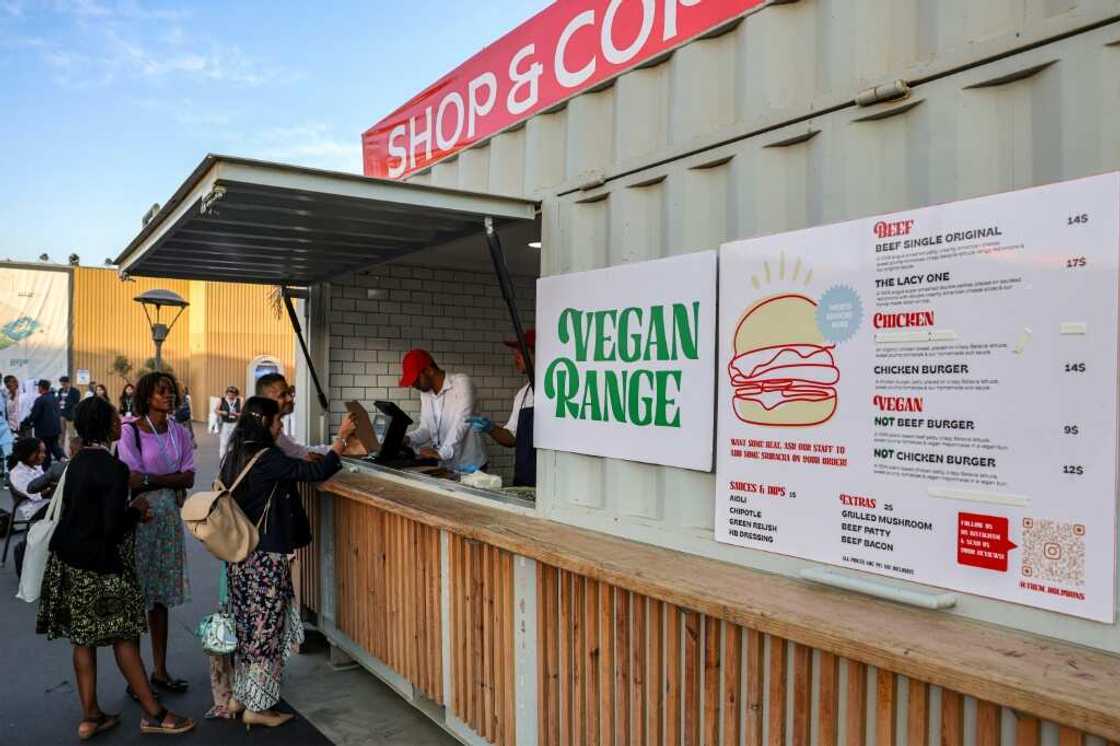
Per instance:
{"type": "Point", "coordinates": [18, 408]}
{"type": "Point", "coordinates": [292, 449]}
{"type": "Point", "coordinates": [523, 400]}
{"type": "Point", "coordinates": [444, 426]}
{"type": "Point", "coordinates": [21, 476]}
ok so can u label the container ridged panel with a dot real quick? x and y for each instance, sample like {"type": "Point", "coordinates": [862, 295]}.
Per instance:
{"type": "Point", "coordinates": [782, 62]}
{"type": "Point", "coordinates": [589, 123]}
{"type": "Point", "coordinates": [969, 134]}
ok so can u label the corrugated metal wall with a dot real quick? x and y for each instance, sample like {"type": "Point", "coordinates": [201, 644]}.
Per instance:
{"type": "Point", "coordinates": [1006, 94]}
{"type": "Point", "coordinates": [236, 327]}
{"type": "Point", "coordinates": [106, 323]}
{"type": "Point", "coordinates": [225, 328]}
{"type": "Point", "coordinates": [784, 61]}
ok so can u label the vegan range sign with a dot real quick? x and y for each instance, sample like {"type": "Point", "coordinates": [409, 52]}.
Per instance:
{"type": "Point", "coordinates": [624, 361]}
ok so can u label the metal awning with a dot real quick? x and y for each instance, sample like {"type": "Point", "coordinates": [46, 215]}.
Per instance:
{"type": "Point", "coordinates": [243, 220]}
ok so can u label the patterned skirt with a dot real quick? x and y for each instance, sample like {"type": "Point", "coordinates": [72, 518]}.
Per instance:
{"type": "Point", "coordinates": [91, 608]}
{"type": "Point", "coordinates": [161, 556]}
{"type": "Point", "coordinates": [268, 627]}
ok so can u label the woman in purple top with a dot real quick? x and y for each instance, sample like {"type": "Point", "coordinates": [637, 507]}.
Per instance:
{"type": "Point", "coordinates": [159, 455]}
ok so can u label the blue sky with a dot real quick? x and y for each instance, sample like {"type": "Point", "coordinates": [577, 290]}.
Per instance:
{"type": "Point", "coordinates": [107, 105]}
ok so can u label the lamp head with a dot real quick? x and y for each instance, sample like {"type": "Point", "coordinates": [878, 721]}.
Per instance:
{"type": "Point", "coordinates": [154, 300]}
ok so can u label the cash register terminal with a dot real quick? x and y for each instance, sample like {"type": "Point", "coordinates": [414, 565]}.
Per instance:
{"type": "Point", "coordinates": [393, 452]}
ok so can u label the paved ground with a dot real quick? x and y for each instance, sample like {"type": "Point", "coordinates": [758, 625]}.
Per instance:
{"type": "Point", "coordinates": [39, 704]}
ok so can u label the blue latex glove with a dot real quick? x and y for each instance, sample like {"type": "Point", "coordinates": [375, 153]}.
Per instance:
{"type": "Point", "coordinates": [466, 469]}
{"type": "Point", "coordinates": [481, 424]}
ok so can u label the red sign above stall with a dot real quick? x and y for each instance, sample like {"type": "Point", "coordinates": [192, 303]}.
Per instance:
{"type": "Point", "coordinates": [569, 47]}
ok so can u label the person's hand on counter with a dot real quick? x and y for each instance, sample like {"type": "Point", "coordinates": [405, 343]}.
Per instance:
{"type": "Point", "coordinates": [345, 432]}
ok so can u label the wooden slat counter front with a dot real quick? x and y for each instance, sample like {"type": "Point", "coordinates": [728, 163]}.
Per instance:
{"type": "Point", "coordinates": [511, 629]}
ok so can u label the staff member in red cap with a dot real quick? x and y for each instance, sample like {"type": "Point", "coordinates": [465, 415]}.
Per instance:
{"type": "Point", "coordinates": [518, 432]}
{"type": "Point", "coordinates": [446, 401]}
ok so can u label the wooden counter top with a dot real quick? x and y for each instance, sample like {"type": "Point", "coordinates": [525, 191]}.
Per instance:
{"type": "Point", "coordinates": [1047, 678]}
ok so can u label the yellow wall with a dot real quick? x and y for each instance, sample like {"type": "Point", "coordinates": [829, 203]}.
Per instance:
{"type": "Point", "coordinates": [225, 328]}
{"type": "Point", "coordinates": [106, 322]}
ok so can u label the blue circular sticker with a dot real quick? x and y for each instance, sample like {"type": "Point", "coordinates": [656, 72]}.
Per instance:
{"type": "Point", "coordinates": [839, 314]}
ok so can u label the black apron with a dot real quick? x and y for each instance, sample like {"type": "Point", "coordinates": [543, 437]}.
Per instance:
{"type": "Point", "coordinates": [525, 455]}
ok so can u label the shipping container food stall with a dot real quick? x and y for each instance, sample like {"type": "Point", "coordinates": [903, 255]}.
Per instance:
{"type": "Point", "coordinates": [826, 372]}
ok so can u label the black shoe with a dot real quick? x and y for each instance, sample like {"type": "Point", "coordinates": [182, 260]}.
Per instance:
{"type": "Point", "coordinates": [174, 686]}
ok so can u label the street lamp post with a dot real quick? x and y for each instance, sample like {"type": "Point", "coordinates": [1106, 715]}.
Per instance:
{"type": "Point", "coordinates": [152, 302]}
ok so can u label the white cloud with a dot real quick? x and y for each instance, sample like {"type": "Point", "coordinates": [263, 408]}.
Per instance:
{"type": "Point", "coordinates": [24, 42]}
{"type": "Point", "coordinates": [313, 144]}
{"type": "Point", "coordinates": [112, 39]}
{"type": "Point", "coordinates": [187, 112]}
{"type": "Point", "coordinates": [226, 63]}
{"type": "Point", "coordinates": [119, 10]}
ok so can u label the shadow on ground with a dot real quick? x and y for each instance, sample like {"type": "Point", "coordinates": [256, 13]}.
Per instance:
{"type": "Point", "coordinates": [39, 704]}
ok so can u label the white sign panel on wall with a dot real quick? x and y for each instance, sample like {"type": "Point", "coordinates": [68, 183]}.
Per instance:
{"type": "Point", "coordinates": [624, 361]}
{"type": "Point", "coordinates": [931, 395]}
{"type": "Point", "coordinates": [34, 324]}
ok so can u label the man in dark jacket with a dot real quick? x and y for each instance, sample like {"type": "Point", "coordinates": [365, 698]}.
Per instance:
{"type": "Point", "coordinates": [46, 420]}
{"type": "Point", "coordinates": [68, 398]}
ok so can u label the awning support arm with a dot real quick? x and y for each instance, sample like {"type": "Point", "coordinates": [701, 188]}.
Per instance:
{"type": "Point", "coordinates": [501, 269]}
{"type": "Point", "coordinates": [292, 317]}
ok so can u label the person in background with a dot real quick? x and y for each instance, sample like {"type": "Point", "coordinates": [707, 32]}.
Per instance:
{"type": "Point", "coordinates": [26, 473]}
{"type": "Point", "coordinates": [7, 439]}
{"type": "Point", "coordinates": [518, 431]}
{"type": "Point", "coordinates": [127, 406]}
{"type": "Point", "coordinates": [14, 400]}
{"type": "Point", "coordinates": [68, 398]}
{"type": "Point", "coordinates": [446, 401]}
{"type": "Point", "coordinates": [228, 410]}
{"type": "Point", "coordinates": [183, 415]}
{"type": "Point", "coordinates": [260, 587]}
{"type": "Point", "coordinates": [158, 452]}
{"type": "Point", "coordinates": [45, 420]}
{"type": "Point", "coordinates": [101, 392]}
{"type": "Point", "coordinates": [274, 386]}
{"type": "Point", "coordinates": [90, 593]}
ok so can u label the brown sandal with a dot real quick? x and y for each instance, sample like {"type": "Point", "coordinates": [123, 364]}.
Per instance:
{"type": "Point", "coordinates": [100, 725]}
{"type": "Point", "coordinates": [177, 726]}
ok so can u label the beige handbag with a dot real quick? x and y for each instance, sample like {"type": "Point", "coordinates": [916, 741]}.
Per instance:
{"type": "Point", "coordinates": [215, 519]}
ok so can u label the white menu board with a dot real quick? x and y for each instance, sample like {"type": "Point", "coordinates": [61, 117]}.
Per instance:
{"type": "Point", "coordinates": [931, 395]}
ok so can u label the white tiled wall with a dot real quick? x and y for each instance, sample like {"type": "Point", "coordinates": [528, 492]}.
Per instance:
{"type": "Point", "coordinates": [459, 317]}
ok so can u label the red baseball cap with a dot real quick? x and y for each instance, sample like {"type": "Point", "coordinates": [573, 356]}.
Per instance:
{"type": "Point", "coordinates": [530, 339]}
{"type": "Point", "coordinates": [413, 364]}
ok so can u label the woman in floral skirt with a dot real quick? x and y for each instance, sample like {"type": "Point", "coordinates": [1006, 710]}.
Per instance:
{"type": "Point", "coordinates": [90, 593]}
{"type": "Point", "coordinates": [158, 452]}
{"type": "Point", "coordinates": [260, 587]}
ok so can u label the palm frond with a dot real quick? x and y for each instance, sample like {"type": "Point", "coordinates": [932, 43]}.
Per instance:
{"type": "Point", "coordinates": [276, 301]}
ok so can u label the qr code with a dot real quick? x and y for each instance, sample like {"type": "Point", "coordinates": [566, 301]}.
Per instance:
{"type": "Point", "coordinates": [1054, 551]}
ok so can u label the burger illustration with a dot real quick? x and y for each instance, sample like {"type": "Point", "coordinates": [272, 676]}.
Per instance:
{"type": "Point", "coordinates": [783, 373]}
